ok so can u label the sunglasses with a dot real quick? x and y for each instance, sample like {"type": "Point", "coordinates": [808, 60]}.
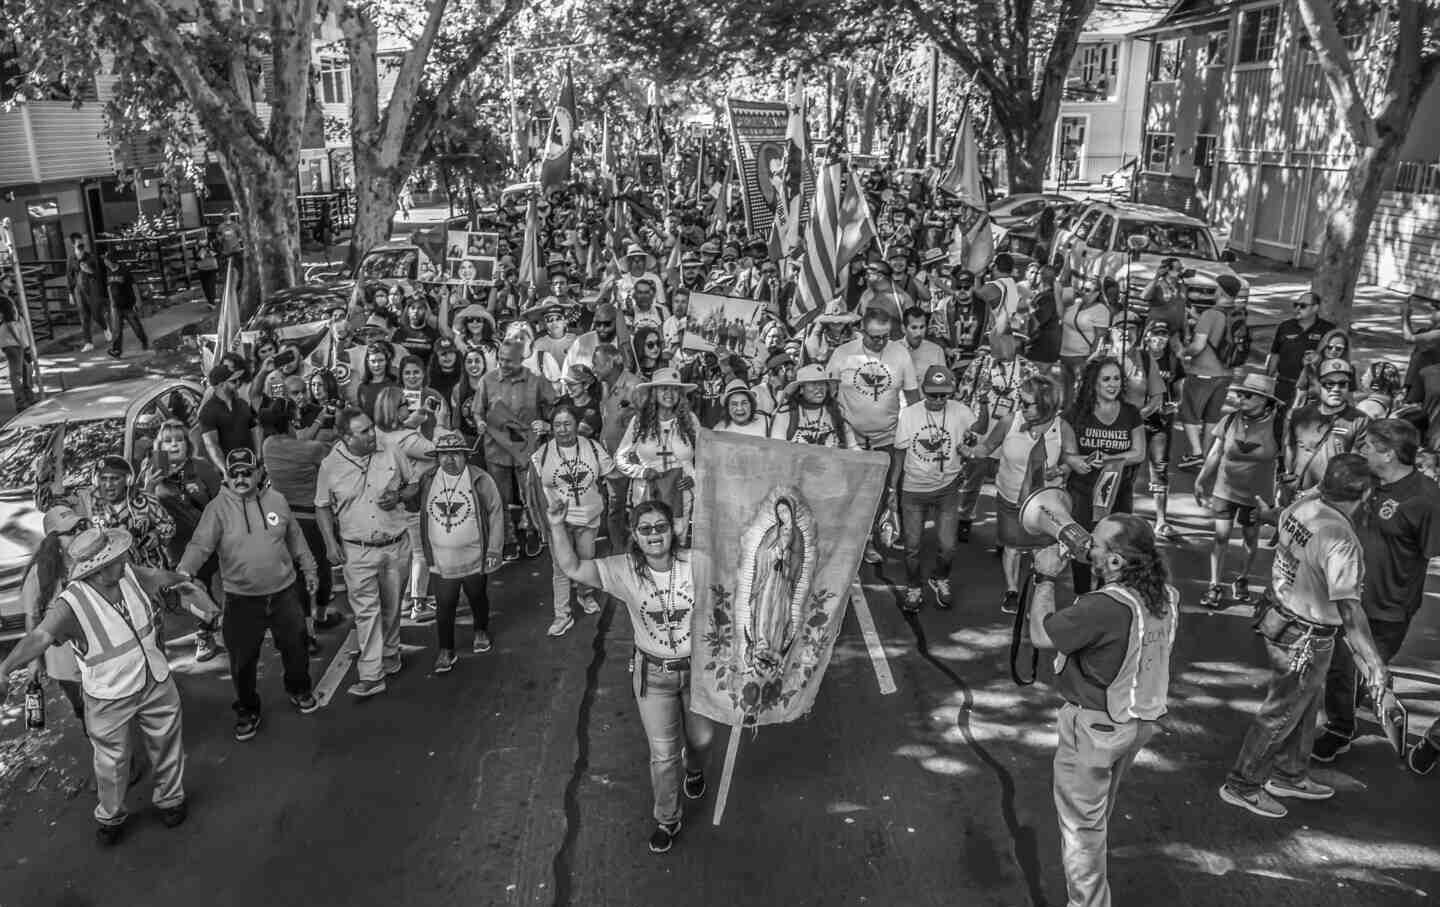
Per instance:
{"type": "Point", "coordinates": [937, 395]}
{"type": "Point", "coordinates": [1334, 385]}
{"type": "Point", "coordinates": [601, 324]}
{"type": "Point", "coordinates": [241, 473]}
{"type": "Point", "coordinates": [878, 338]}
{"type": "Point", "coordinates": [652, 528]}
{"type": "Point", "coordinates": [651, 345]}
{"type": "Point", "coordinates": [80, 526]}
{"type": "Point", "coordinates": [1335, 346]}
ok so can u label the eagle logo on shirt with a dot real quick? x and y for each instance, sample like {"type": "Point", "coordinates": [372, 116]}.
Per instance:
{"type": "Point", "coordinates": [932, 445]}
{"type": "Point", "coordinates": [574, 479]}
{"type": "Point", "coordinates": [873, 378]}
{"type": "Point", "coordinates": [450, 511]}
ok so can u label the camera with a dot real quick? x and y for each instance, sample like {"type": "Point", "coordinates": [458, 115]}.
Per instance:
{"type": "Point", "coordinates": [284, 358]}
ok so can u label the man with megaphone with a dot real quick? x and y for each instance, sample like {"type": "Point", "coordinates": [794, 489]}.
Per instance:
{"type": "Point", "coordinates": [1112, 666]}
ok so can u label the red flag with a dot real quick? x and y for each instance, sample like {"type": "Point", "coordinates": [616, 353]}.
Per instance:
{"type": "Point", "coordinates": [555, 167]}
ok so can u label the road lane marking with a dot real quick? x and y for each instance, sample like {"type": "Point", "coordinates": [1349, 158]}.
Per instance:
{"type": "Point", "coordinates": [732, 749]}
{"type": "Point", "coordinates": [334, 675]}
{"type": "Point", "coordinates": [872, 639]}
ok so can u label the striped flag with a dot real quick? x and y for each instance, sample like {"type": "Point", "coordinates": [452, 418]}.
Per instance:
{"type": "Point", "coordinates": [856, 227]}
{"type": "Point", "coordinates": [796, 159]}
{"type": "Point", "coordinates": [820, 269]}
{"type": "Point", "coordinates": [227, 325]}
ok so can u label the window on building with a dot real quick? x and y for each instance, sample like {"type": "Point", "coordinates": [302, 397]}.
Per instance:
{"type": "Point", "coordinates": [1165, 63]}
{"type": "Point", "coordinates": [1217, 48]}
{"type": "Point", "coordinates": [1094, 72]}
{"type": "Point", "coordinates": [1205, 146]}
{"type": "Point", "coordinates": [334, 80]}
{"type": "Point", "coordinates": [1159, 152]}
{"type": "Point", "coordinates": [1259, 33]}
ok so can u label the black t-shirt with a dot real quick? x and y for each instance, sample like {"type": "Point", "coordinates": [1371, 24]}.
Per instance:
{"type": "Point", "coordinates": [1400, 533]}
{"type": "Point", "coordinates": [417, 341]}
{"type": "Point", "coordinates": [121, 288]}
{"type": "Point", "coordinates": [1109, 438]}
{"type": "Point", "coordinates": [1292, 342]}
{"type": "Point", "coordinates": [1045, 344]}
{"type": "Point", "coordinates": [232, 424]}
{"type": "Point", "coordinates": [1095, 633]}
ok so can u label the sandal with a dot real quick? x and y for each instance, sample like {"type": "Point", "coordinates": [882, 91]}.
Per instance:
{"type": "Point", "coordinates": [1214, 597]}
{"type": "Point", "coordinates": [1240, 591]}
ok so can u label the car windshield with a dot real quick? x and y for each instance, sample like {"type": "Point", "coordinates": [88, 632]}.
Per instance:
{"type": "Point", "coordinates": [1183, 240]}
{"type": "Point", "coordinates": [297, 308]}
{"type": "Point", "coordinates": [23, 448]}
{"type": "Point", "coordinates": [390, 264]}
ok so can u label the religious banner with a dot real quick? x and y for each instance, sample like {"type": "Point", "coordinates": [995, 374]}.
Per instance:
{"type": "Point", "coordinates": [759, 133]}
{"type": "Point", "coordinates": [778, 533]}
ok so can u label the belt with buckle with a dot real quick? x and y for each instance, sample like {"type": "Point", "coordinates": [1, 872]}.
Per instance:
{"type": "Point", "coordinates": [666, 664]}
{"type": "Point", "coordinates": [376, 543]}
{"type": "Point", "coordinates": [1323, 631]}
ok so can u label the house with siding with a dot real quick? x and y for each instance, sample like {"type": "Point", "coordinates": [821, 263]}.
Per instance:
{"type": "Point", "coordinates": [1239, 129]}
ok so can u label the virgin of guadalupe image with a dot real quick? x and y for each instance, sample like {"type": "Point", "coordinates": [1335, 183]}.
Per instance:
{"type": "Point", "coordinates": [777, 564]}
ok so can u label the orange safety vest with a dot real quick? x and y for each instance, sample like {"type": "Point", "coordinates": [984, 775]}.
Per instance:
{"type": "Point", "coordinates": [1142, 685]}
{"type": "Point", "coordinates": [121, 649]}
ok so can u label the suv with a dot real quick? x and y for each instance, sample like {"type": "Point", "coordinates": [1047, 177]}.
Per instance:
{"type": "Point", "coordinates": [1128, 241]}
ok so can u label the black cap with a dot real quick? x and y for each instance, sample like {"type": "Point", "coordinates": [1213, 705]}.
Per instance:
{"type": "Point", "coordinates": [240, 456]}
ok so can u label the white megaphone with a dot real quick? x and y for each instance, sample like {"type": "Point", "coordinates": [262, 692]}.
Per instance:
{"type": "Point", "coordinates": [1047, 512]}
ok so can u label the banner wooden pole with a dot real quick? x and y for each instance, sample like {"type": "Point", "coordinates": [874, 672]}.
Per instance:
{"type": "Point", "coordinates": [732, 750]}
{"type": "Point", "coordinates": [866, 620]}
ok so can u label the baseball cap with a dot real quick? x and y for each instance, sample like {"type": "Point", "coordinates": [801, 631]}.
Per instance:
{"type": "Point", "coordinates": [938, 379]}
{"type": "Point", "coordinates": [1330, 367]}
{"type": "Point", "coordinates": [60, 518]}
{"type": "Point", "coordinates": [115, 464]}
{"type": "Point", "coordinates": [241, 458]}
{"type": "Point", "coordinates": [221, 373]}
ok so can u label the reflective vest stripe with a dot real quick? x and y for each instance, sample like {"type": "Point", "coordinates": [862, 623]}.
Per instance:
{"type": "Point", "coordinates": [99, 645]}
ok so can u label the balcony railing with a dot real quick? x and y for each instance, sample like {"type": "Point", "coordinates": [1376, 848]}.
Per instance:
{"type": "Point", "coordinates": [1418, 177]}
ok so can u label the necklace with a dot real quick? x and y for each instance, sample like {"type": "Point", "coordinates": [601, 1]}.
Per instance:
{"type": "Point", "coordinates": [942, 437]}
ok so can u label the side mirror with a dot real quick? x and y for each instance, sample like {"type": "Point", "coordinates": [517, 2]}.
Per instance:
{"type": "Point", "coordinates": [1227, 255]}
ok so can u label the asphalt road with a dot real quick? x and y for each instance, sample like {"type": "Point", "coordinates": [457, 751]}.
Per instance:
{"type": "Point", "coordinates": [521, 778]}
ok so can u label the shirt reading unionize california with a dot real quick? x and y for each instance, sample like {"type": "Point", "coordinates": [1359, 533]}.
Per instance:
{"type": "Point", "coordinates": [870, 388]}
{"type": "Point", "coordinates": [1318, 561]}
{"type": "Point", "coordinates": [660, 604]}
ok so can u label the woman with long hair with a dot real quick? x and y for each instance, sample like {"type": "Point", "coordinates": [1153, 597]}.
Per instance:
{"type": "Point", "coordinates": [1082, 326]}
{"type": "Point", "coordinates": [1238, 477]}
{"type": "Point", "coordinates": [377, 374]}
{"type": "Point", "coordinates": [45, 578]}
{"type": "Point", "coordinates": [1334, 345]}
{"type": "Point", "coordinates": [657, 451]}
{"type": "Point", "coordinates": [397, 428]}
{"type": "Point", "coordinates": [809, 412]}
{"type": "Point", "coordinates": [1028, 444]}
{"type": "Point", "coordinates": [570, 468]}
{"type": "Point", "coordinates": [1103, 434]}
{"type": "Point", "coordinates": [423, 399]}
{"type": "Point", "coordinates": [476, 364]}
{"type": "Point", "coordinates": [585, 393]}
{"type": "Point", "coordinates": [653, 578]}
{"type": "Point", "coordinates": [648, 349]}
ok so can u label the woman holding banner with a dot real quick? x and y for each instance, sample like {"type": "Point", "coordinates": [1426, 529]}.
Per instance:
{"type": "Point", "coordinates": [654, 581]}
{"type": "Point", "coordinates": [1104, 445]}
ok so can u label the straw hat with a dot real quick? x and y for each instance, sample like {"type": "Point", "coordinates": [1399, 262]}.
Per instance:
{"type": "Point", "coordinates": [810, 374]}
{"type": "Point", "coordinates": [665, 377]}
{"type": "Point", "coordinates": [736, 386]}
{"type": "Point", "coordinates": [453, 442]}
{"type": "Point", "coordinates": [544, 307]}
{"type": "Point", "coordinates": [836, 313]}
{"type": "Point", "coordinates": [1258, 383]}
{"type": "Point", "coordinates": [93, 549]}
{"type": "Point", "coordinates": [635, 250]}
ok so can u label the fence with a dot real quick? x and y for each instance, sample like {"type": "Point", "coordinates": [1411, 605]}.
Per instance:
{"type": "Point", "coordinates": [1417, 177]}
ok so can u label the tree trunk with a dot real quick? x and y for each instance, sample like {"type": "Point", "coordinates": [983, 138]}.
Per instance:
{"type": "Point", "coordinates": [376, 192]}
{"type": "Point", "coordinates": [1347, 229]}
{"type": "Point", "coordinates": [1027, 153]}
{"type": "Point", "coordinates": [265, 194]}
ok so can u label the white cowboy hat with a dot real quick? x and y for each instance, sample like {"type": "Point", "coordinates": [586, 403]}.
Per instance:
{"type": "Point", "coordinates": [93, 549]}
{"type": "Point", "coordinates": [810, 374]}
{"type": "Point", "coordinates": [836, 313]}
{"type": "Point", "coordinates": [665, 377]}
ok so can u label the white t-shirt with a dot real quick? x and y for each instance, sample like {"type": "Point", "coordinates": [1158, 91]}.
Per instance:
{"type": "Point", "coordinates": [573, 475]}
{"type": "Point", "coordinates": [456, 541]}
{"type": "Point", "coordinates": [929, 440]}
{"type": "Point", "coordinates": [928, 353]}
{"type": "Point", "coordinates": [870, 388]}
{"type": "Point", "coordinates": [660, 604]}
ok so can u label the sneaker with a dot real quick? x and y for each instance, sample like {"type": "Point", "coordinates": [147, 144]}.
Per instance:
{"type": "Point", "coordinates": [89, 348]}
{"type": "Point", "coordinates": [1260, 803]}
{"type": "Point", "coordinates": [588, 604]}
{"type": "Point", "coordinates": [962, 532]}
{"type": "Point", "coordinates": [172, 816]}
{"type": "Point", "coordinates": [1329, 746]}
{"type": "Point", "coordinates": [914, 598]}
{"type": "Point", "coordinates": [663, 836]}
{"type": "Point", "coordinates": [694, 785]}
{"type": "Point", "coordinates": [1422, 757]}
{"type": "Point", "coordinates": [510, 553]}
{"type": "Point", "coordinates": [941, 587]}
{"type": "Point", "coordinates": [422, 611]}
{"type": "Point", "coordinates": [113, 353]}
{"type": "Point", "coordinates": [391, 668]}
{"type": "Point", "coordinates": [109, 835]}
{"type": "Point", "coordinates": [533, 544]}
{"type": "Point", "coordinates": [246, 727]}
{"type": "Point", "coordinates": [205, 648]}
{"type": "Point", "coordinates": [445, 661]}
{"type": "Point", "coordinates": [1306, 789]}
{"type": "Point", "coordinates": [305, 703]}
{"type": "Point", "coordinates": [560, 626]}
{"type": "Point", "coordinates": [364, 689]}
{"type": "Point", "coordinates": [873, 556]}
{"type": "Point", "coordinates": [1010, 604]}
{"type": "Point", "coordinates": [482, 642]}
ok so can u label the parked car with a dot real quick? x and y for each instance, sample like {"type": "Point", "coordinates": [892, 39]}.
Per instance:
{"type": "Point", "coordinates": [1099, 244]}
{"type": "Point", "coordinates": [87, 423]}
{"type": "Point", "coordinates": [1014, 210]}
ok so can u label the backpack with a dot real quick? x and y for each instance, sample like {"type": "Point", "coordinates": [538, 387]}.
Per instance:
{"type": "Point", "coordinates": [1233, 348]}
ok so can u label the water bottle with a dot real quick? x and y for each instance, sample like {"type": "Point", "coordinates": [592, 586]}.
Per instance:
{"type": "Point", "coordinates": [35, 706]}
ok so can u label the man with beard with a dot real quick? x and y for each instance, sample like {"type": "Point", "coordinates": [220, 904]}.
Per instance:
{"type": "Point", "coordinates": [604, 328]}
{"type": "Point", "coordinates": [226, 420]}
{"type": "Point", "coordinates": [1322, 430]}
{"type": "Point", "coordinates": [692, 272]}
{"type": "Point", "coordinates": [416, 335]}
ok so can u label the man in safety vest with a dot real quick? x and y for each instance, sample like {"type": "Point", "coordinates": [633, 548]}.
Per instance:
{"type": "Point", "coordinates": [106, 615]}
{"type": "Point", "coordinates": [1113, 668]}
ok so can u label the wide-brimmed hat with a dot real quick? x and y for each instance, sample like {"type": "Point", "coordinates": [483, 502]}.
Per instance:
{"type": "Point", "coordinates": [452, 442]}
{"type": "Point", "coordinates": [545, 306]}
{"type": "Point", "coordinates": [60, 518]}
{"type": "Point", "coordinates": [375, 326]}
{"type": "Point", "coordinates": [1258, 383]}
{"type": "Point", "coordinates": [93, 549]}
{"type": "Point", "coordinates": [665, 377]}
{"type": "Point", "coordinates": [810, 374]}
{"type": "Point", "coordinates": [635, 250]}
{"type": "Point", "coordinates": [471, 312]}
{"type": "Point", "coordinates": [736, 386]}
{"type": "Point", "coordinates": [989, 293]}
{"type": "Point", "coordinates": [837, 313]}
{"type": "Point", "coordinates": [691, 260]}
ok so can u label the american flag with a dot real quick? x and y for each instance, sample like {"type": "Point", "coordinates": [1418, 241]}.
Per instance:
{"type": "Point", "coordinates": [840, 229]}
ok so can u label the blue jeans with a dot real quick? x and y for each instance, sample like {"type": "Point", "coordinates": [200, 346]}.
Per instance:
{"type": "Point", "coordinates": [1283, 732]}
{"type": "Point", "coordinates": [677, 736]}
{"type": "Point", "coordinates": [914, 507]}
{"type": "Point", "coordinates": [1341, 683]}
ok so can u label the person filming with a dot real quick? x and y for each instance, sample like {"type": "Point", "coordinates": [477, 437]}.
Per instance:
{"type": "Point", "coordinates": [1112, 667]}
